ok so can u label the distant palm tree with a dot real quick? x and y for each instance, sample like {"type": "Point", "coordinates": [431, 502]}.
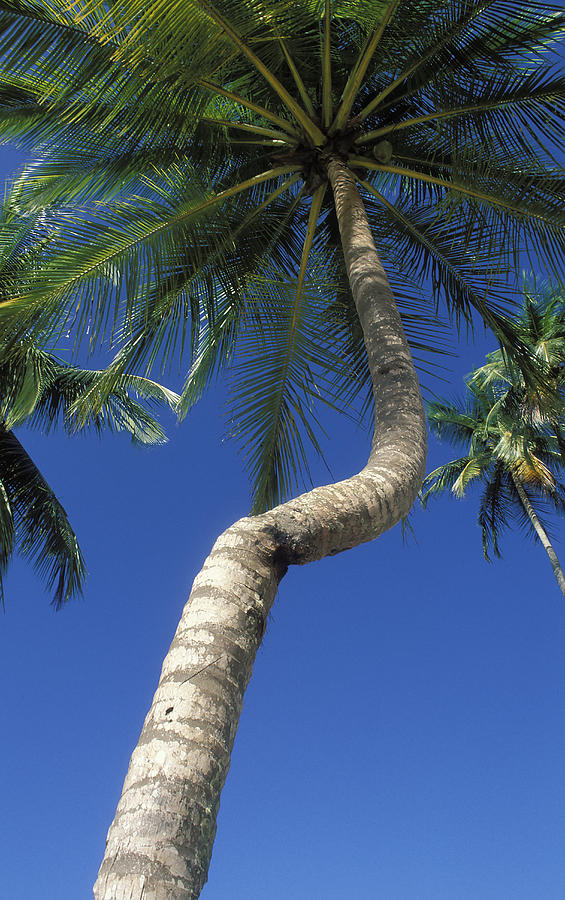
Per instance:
{"type": "Point", "coordinates": [38, 390]}
{"type": "Point", "coordinates": [253, 181]}
{"type": "Point", "coordinates": [512, 430]}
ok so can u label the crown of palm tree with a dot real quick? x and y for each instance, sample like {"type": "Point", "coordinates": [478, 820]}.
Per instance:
{"type": "Point", "coordinates": [498, 446]}
{"type": "Point", "coordinates": [512, 429]}
{"type": "Point", "coordinates": [180, 157]}
{"type": "Point", "coordinates": [540, 329]}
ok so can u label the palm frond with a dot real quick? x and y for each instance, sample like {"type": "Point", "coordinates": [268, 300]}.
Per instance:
{"type": "Point", "coordinates": [274, 411]}
{"type": "Point", "coordinates": [495, 512]}
{"type": "Point", "coordinates": [44, 392]}
{"type": "Point", "coordinates": [41, 529]}
{"type": "Point", "coordinates": [443, 478]}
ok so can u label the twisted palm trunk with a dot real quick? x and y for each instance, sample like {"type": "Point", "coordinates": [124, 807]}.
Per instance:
{"type": "Point", "coordinates": [541, 533]}
{"type": "Point", "coordinates": [160, 842]}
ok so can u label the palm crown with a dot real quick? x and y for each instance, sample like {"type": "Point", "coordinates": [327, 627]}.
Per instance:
{"type": "Point", "coordinates": [512, 430]}
{"type": "Point", "coordinates": [499, 448]}
{"type": "Point", "coordinates": [180, 156]}
{"type": "Point", "coordinates": [541, 329]}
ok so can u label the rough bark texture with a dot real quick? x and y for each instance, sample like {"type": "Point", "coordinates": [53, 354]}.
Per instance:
{"type": "Point", "coordinates": [541, 533]}
{"type": "Point", "coordinates": [160, 842]}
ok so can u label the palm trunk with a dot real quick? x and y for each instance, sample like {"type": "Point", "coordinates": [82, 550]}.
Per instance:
{"type": "Point", "coordinates": [541, 533]}
{"type": "Point", "coordinates": [160, 842]}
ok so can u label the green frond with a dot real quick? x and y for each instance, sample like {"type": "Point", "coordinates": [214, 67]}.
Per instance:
{"type": "Point", "coordinates": [304, 95]}
{"type": "Point", "coordinates": [527, 211]}
{"type": "Point", "coordinates": [443, 478]}
{"type": "Point", "coordinates": [246, 103]}
{"type": "Point", "coordinates": [455, 422]}
{"type": "Point", "coordinates": [7, 536]}
{"type": "Point", "coordinates": [534, 391]}
{"type": "Point", "coordinates": [448, 28]}
{"type": "Point", "coordinates": [22, 394]}
{"type": "Point", "coordinates": [126, 246]}
{"type": "Point", "coordinates": [272, 457]}
{"type": "Point", "coordinates": [495, 511]}
{"type": "Point", "coordinates": [116, 410]}
{"type": "Point", "coordinates": [355, 79]}
{"type": "Point", "coordinates": [499, 102]}
{"type": "Point", "coordinates": [214, 352]}
{"type": "Point", "coordinates": [474, 469]}
{"type": "Point", "coordinates": [42, 391]}
{"type": "Point", "coordinates": [274, 390]}
{"type": "Point", "coordinates": [326, 66]}
{"type": "Point", "coordinates": [238, 40]}
{"type": "Point", "coordinates": [41, 530]}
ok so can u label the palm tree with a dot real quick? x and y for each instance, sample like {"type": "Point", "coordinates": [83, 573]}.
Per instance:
{"type": "Point", "coordinates": [518, 464]}
{"type": "Point", "coordinates": [39, 390]}
{"type": "Point", "coordinates": [512, 431]}
{"type": "Point", "coordinates": [199, 163]}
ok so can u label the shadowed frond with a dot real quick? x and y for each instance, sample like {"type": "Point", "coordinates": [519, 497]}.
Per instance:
{"type": "Point", "coordinates": [34, 521]}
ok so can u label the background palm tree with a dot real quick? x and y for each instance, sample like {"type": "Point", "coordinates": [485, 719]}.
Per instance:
{"type": "Point", "coordinates": [184, 155]}
{"type": "Point", "coordinates": [512, 430]}
{"type": "Point", "coordinates": [40, 391]}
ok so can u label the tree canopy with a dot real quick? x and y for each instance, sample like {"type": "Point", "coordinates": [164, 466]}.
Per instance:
{"type": "Point", "coordinates": [512, 430]}
{"type": "Point", "coordinates": [179, 160]}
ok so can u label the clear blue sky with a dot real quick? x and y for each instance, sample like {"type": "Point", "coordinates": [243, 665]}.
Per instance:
{"type": "Point", "coordinates": [403, 736]}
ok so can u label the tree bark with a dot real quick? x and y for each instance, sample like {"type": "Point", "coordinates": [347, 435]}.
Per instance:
{"type": "Point", "coordinates": [541, 533]}
{"type": "Point", "coordinates": [160, 842]}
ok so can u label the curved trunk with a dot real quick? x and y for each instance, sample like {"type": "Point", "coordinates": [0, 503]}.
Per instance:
{"type": "Point", "coordinates": [541, 533]}
{"type": "Point", "coordinates": [160, 842]}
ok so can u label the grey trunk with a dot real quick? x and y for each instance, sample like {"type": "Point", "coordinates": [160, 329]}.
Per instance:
{"type": "Point", "coordinates": [160, 842]}
{"type": "Point", "coordinates": [541, 533]}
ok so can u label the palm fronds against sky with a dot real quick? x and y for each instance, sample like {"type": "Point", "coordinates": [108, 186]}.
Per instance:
{"type": "Point", "coordinates": [41, 391]}
{"type": "Point", "coordinates": [540, 327]}
{"type": "Point", "coordinates": [178, 164]}
{"type": "Point", "coordinates": [511, 431]}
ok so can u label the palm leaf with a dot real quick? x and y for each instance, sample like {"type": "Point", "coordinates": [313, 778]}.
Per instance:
{"type": "Point", "coordinates": [42, 531]}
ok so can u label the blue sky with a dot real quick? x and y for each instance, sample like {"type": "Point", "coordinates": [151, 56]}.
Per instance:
{"type": "Point", "coordinates": [403, 735]}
